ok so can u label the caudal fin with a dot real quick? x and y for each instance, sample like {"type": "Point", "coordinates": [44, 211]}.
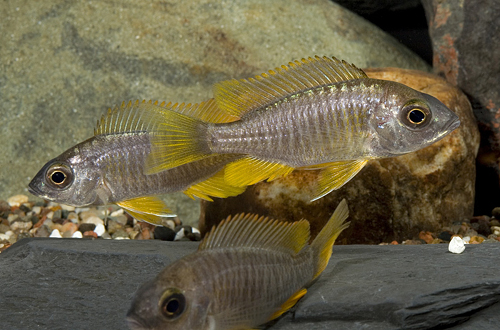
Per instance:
{"type": "Point", "coordinates": [323, 243]}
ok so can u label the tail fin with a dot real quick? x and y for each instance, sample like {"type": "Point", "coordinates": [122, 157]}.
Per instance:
{"type": "Point", "coordinates": [323, 243]}
{"type": "Point", "coordinates": [177, 139]}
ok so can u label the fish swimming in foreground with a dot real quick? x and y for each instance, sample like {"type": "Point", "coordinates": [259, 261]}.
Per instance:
{"type": "Point", "coordinates": [109, 168]}
{"type": "Point", "coordinates": [317, 113]}
{"type": "Point", "coordinates": [246, 272]}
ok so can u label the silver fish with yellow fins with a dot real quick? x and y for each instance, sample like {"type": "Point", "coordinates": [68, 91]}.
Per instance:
{"type": "Point", "coordinates": [109, 168]}
{"type": "Point", "coordinates": [246, 272]}
{"type": "Point", "coordinates": [317, 113]}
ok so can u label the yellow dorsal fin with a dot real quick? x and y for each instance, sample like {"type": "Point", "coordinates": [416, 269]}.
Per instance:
{"type": "Point", "coordinates": [206, 111]}
{"type": "Point", "coordinates": [150, 209]}
{"type": "Point", "coordinates": [289, 303]}
{"type": "Point", "coordinates": [335, 175]}
{"type": "Point", "coordinates": [323, 243]}
{"type": "Point", "coordinates": [238, 97]}
{"type": "Point", "coordinates": [215, 186]}
{"type": "Point", "coordinates": [129, 117]}
{"type": "Point", "coordinates": [250, 230]}
{"type": "Point", "coordinates": [249, 170]}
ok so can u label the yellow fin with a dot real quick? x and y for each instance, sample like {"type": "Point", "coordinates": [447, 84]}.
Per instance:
{"type": "Point", "coordinates": [206, 111]}
{"type": "Point", "coordinates": [177, 139]}
{"type": "Point", "coordinates": [323, 243]}
{"type": "Point", "coordinates": [238, 97]}
{"type": "Point", "coordinates": [215, 186]}
{"type": "Point", "coordinates": [250, 230]}
{"type": "Point", "coordinates": [150, 209]}
{"type": "Point", "coordinates": [129, 117]}
{"type": "Point", "coordinates": [249, 170]}
{"type": "Point", "coordinates": [289, 303]}
{"type": "Point", "coordinates": [336, 174]}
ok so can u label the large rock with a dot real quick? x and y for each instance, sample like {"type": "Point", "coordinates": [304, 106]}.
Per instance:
{"type": "Point", "coordinates": [389, 199]}
{"type": "Point", "coordinates": [83, 284]}
{"type": "Point", "coordinates": [65, 62]}
{"type": "Point", "coordinates": [466, 43]}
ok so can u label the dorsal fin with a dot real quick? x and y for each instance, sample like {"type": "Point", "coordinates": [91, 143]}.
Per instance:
{"type": "Point", "coordinates": [206, 111]}
{"type": "Point", "coordinates": [238, 97]}
{"type": "Point", "coordinates": [129, 117]}
{"type": "Point", "coordinates": [250, 230]}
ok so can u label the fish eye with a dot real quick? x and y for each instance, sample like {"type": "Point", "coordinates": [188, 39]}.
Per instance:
{"type": "Point", "coordinates": [415, 116]}
{"type": "Point", "coordinates": [59, 176]}
{"type": "Point", "coordinates": [172, 303]}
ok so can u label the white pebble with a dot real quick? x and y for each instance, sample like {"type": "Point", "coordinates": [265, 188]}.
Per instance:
{"type": "Point", "coordinates": [121, 238]}
{"type": "Point", "coordinates": [94, 219]}
{"type": "Point", "coordinates": [496, 230]}
{"type": "Point", "coordinates": [116, 213]}
{"type": "Point", "coordinates": [180, 235]}
{"type": "Point", "coordinates": [17, 200]}
{"type": "Point", "coordinates": [37, 209]}
{"type": "Point", "coordinates": [195, 230]}
{"type": "Point", "coordinates": [466, 239]}
{"type": "Point", "coordinates": [67, 207]}
{"type": "Point", "coordinates": [456, 245]}
{"type": "Point", "coordinates": [99, 229]}
{"type": "Point", "coordinates": [77, 234]}
{"type": "Point", "coordinates": [55, 234]}
{"type": "Point", "coordinates": [4, 237]}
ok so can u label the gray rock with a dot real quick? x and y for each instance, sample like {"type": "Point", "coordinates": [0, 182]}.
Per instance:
{"type": "Point", "coordinates": [79, 284]}
{"type": "Point", "coordinates": [66, 62]}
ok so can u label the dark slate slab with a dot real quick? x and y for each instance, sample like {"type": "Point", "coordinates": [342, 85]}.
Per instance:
{"type": "Point", "coordinates": [83, 284]}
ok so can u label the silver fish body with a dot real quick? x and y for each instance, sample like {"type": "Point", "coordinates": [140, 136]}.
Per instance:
{"type": "Point", "coordinates": [362, 118]}
{"type": "Point", "coordinates": [246, 272]}
{"type": "Point", "coordinates": [108, 169]}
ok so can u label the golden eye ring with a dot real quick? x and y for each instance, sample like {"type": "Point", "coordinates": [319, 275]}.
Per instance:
{"type": "Point", "coordinates": [172, 303]}
{"type": "Point", "coordinates": [59, 176]}
{"type": "Point", "coordinates": [415, 116]}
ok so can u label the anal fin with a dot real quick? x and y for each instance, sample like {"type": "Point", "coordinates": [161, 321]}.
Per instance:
{"type": "Point", "coordinates": [249, 171]}
{"type": "Point", "coordinates": [289, 303]}
{"type": "Point", "coordinates": [215, 186]}
{"type": "Point", "coordinates": [335, 175]}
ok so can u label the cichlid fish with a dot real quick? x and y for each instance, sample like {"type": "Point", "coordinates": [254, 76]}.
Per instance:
{"type": "Point", "coordinates": [246, 272]}
{"type": "Point", "coordinates": [318, 113]}
{"type": "Point", "coordinates": [109, 168]}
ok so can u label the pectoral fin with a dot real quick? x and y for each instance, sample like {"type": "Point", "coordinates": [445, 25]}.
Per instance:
{"type": "Point", "coordinates": [150, 209]}
{"type": "Point", "coordinates": [335, 175]}
{"type": "Point", "coordinates": [289, 303]}
{"type": "Point", "coordinates": [248, 171]}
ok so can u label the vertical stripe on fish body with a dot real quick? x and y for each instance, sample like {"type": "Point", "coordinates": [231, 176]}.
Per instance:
{"type": "Point", "coordinates": [110, 168]}
{"type": "Point", "coordinates": [247, 271]}
{"type": "Point", "coordinates": [314, 113]}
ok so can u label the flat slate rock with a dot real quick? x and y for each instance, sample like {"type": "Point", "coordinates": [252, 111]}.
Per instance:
{"type": "Point", "coordinates": [84, 284]}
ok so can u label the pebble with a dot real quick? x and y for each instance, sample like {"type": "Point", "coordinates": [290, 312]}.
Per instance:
{"type": "Point", "coordinates": [17, 200]}
{"type": "Point", "coordinates": [86, 227]}
{"type": "Point", "coordinates": [55, 234]}
{"type": "Point", "coordinates": [77, 234]}
{"type": "Point", "coordinates": [456, 245]}
{"type": "Point", "coordinates": [164, 233]}
{"type": "Point", "coordinates": [21, 225]}
{"type": "Point", "coordinates": [94, 220]}
{"type": "Point", "coordinates": [99, 230]}
{"type": "Point", "coordinates": [90, 234]}
{"type": "Point", "coordinates": [495, 230]}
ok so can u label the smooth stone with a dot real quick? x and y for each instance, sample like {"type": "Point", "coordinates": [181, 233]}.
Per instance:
{"type": "Point", "coordinates": [93, 220]}
{"type": "Point", "coordinates": [390, 199]}
{"type": "Point", "coordinates": [90, 59]}
{"type": "Point", "coordinates": [17, 200]}
{"type": "Point", "coordinates": [364, 287]}
{"type": "Point", "coordinates": [164, 233]}
{"type": "Point", "coordinates": [55, 234]}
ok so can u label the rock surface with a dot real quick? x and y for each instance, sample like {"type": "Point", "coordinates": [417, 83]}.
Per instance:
{"type": "Point", "coordinates": [465, 37]}
{"type": "Point", "coordinates": [390, 199]}
{"type": "Point", "coordinates": [83, 284]}
{"type": "Point", "coordinates": [65, 62]}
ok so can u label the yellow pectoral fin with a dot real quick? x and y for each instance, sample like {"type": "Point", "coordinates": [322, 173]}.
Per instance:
{"type": "Point", "coordinates": [215, 186]}
{"type": "Point", "coordinates": [289, 303]}
{"type": "Point", "coordinates": [249, 171]}
{"type": "Point", "coordinates": [335, 175]}
{"type": "Point", "coordinates": [150, 209]}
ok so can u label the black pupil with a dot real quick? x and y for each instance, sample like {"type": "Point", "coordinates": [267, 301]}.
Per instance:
{"type": "Point", "coordinates": [58, 177]}
{"type": "Point", "coordinates": [416, 116]}
{"type": "Point", "coordinates": [172, 306]}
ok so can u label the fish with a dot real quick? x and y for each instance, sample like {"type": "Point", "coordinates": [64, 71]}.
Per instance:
{"type": "Point", "coordinates": [108, 168]}
{"type": "Point", "coordinates": [247, 271]}
{"type": "Point", "coordinates": [314, 114]}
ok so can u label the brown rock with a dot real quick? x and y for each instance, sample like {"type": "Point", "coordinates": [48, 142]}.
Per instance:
{"type": "Point", "coordinates": [426, 236]}
{"type": "Point", "coordinates": [390, 199]}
